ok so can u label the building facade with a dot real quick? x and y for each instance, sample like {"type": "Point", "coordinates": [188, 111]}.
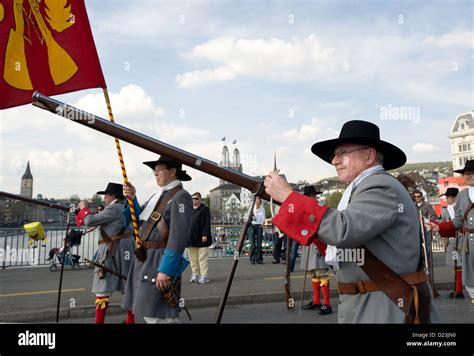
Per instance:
{"type": "Point", "coordinates": [462, 139]}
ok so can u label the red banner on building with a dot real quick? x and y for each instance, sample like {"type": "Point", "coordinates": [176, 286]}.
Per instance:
{"type": "Point", "coordinates": [45, 45]}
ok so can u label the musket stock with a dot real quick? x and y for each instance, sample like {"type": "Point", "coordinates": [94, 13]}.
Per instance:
{"type": "Point", "coordinates": [150, 144]}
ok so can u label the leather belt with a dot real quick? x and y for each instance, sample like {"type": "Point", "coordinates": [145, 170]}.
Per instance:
{"type": "Point", "coordinates": [153, 244]}
{"type": "Point", "coordinates": [368, 286]}
{"type": "Point", "coordinates": [115, 238]}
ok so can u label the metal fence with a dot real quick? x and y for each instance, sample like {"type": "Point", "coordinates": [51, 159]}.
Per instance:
{"type": "Point", "coordinates": [226, 237]}
{"type": "Point", "coordinates": [15, 250]}
{"type": "Point", "coordinates": [438, 243]}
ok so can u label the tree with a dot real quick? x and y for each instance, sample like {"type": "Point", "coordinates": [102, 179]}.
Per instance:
{"type": "Point", "coordinates": [207, 200]}
{"type": "Point", "coordinates": [407, 182]}
{"type": "Point", "coordinates": [333, 199]}
{"type": "Point", "coordinates": [39, 196]}
{"type": "Point", "coordinates": [74, 199]}
{"type": "Point", "coordinates": [97, 200]}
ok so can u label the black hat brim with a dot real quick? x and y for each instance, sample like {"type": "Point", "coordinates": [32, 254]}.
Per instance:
{"type": "Point", "coordinates": [118, 195]}
{"type": "Point", "coordinates": [180, 174]}
{"type": "Point", "coordinates": [393, 157]}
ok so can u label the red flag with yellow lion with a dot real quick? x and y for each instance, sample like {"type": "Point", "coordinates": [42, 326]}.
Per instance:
{"type": "Point", "coordinates": [45, 45]}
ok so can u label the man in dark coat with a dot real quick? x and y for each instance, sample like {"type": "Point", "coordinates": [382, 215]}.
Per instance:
{"type": "Point", "coordinates": [199, 240]}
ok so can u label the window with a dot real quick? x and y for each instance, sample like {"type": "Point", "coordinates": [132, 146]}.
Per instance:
{"type": "Point", "coordinates": [462, 126]}
{"type": "Point", "coordinates": [464, 147]}
{"type": "Point", "coordinates": [460, 161]}
{"type": "Point", "coordinates": [468, 146]}
{"type": "Point", "coordinates": [460, 148]}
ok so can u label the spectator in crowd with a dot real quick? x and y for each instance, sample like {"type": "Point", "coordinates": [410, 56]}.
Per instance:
{"type": "Point", "coordinates": [199, 240]}
{"type": "Point", "coordinates": [256, 232]}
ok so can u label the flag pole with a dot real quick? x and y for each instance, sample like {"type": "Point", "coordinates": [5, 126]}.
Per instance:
{"type": "Point", "coordinates": [124, 171]}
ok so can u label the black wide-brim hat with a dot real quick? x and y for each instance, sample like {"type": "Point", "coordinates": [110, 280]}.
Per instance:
{"type": "Point", "coordinates": [469, 167]}
{"type": "Point", "coordinates": [113, 188]}
{"type": "Point", "coordinates": [364, 133]}
{"type": "Point", "coordinates": [310, 190]}
{"type": "Point", "coordinates": [451, 192]}
{"type": "Point", "coordinates": [170, 163]}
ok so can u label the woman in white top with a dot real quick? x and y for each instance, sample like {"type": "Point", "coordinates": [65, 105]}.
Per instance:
{"type": "Point", "coordinates": [256, 232]}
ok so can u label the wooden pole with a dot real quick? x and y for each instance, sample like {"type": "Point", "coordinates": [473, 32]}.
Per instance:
{"type": "Point", "coordinates": [124, 171]}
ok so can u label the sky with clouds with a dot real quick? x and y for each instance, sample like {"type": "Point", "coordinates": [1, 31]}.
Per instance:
{"type": "Point", "coordinates": [273, 75]}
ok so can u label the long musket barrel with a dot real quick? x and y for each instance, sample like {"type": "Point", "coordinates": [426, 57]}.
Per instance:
{"type": "Point", "coordinates": [33, 201]}
{"type": "Point", "coordinates": [148, 143]}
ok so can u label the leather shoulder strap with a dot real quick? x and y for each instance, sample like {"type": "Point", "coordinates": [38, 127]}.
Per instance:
{"type": "Point", "coordinates": [390, 283]}
{"type": "Point", "coordinates": [466, 213]}
{"type": "Point", "coordinates": [155, 217]}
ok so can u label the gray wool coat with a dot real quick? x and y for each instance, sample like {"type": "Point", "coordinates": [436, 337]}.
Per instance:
{"type": "Point", "coordinates": [466, 243]}
{"type": "Point", "coordinates": [315, 259]}
{"type": "Point", "coordinates": [117, 255]}
{"type": "Point", "coordinates": [141, 294]}
{"type": "Point", "coordinates": [381, 215]}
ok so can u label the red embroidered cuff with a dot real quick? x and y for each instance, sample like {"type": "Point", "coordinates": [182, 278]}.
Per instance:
{"type": "Point", "coordinates": [321, 246]}
{"type": "Point", "coordinates": [447, 229]}
{"type": "Point", "coordinates": [299, 217]}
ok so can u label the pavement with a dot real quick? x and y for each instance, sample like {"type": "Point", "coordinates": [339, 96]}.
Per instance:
{"type": "Point", "coordinates": [451, 312]}
{"type": "Point", "coordinates": [29, 295]}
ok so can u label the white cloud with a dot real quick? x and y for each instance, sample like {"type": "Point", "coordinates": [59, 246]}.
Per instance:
{"type": "Point", "coordinates": [149, 21]}
{"type": "Point", "coordinates": [130, 105]}
{"type": "Point", "coordinates": [455, 38]}
{"type": "Point", "coordinates": [265, 125]}
{"type": "Point", "coordinates": [267, 59]}
{"type": "Point", "coordinates": [26, 119]}
{"type": "Point", "coordinates": [312, 131]}
{"type": "Point", "coordinates": [67, 158]}
{"type": "Point", "coordinates": [406, 65]}
{"type": "Point", "coordinates": [424, 148]}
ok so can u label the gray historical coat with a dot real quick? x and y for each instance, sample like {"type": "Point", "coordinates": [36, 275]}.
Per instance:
{"type": "Point", "coordinates": [141, 294]}
{"type": "Point", "coordinates": [466, 243]}
{"type": "Point", "coordinates": [117, 255]}
{"type": "Point", "coordinates": [451, 247]}
{"type": "Point", "coordinates": [381, 215]}
{"type": "Point", "coordinates": [315, 259]}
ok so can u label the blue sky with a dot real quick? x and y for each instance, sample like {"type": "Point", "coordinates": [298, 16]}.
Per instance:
{"type": "Point", "coordinates": [273, 75]}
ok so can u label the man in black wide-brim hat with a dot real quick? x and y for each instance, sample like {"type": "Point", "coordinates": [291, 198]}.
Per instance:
{"type": "Point", "coordinates": [463, 223]}
{"type": "Point", "coordinates": [375, 228]}
{"type": "Point", "coordinates": [165, 225]}
{"type": "Point", "coordinates": [115, 248]}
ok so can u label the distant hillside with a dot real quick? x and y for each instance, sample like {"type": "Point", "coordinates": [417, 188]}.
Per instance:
{"type": "Point", "coordinates": [423, 174]}
{"type": "Point", "coordinates": [444, 167]}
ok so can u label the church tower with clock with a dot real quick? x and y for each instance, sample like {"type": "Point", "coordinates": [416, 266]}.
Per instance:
{"type": "Point", "coordinates": [26, 188]}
